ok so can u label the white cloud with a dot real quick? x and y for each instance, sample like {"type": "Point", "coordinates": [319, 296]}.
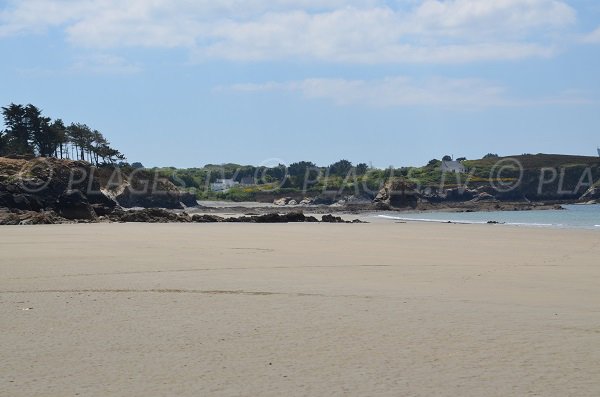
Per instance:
{"type": "Point", "coordinates": [356, 31]}
{"type": "Point", "coordinates": [104, 64]}
{"type": "Point", "coordinates": [403, 91]}
{"type": "Point", "coordinates": [593, 37]}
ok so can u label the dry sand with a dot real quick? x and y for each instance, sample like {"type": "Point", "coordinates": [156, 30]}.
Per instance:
{"type": "Point", "coordinates": [299, 309]}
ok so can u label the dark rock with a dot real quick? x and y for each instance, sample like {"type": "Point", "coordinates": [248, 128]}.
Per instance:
{"type": "Point", "coordinates": [324, 200]}
{"type": "Point", "coordinates": [460, 194]}
{"type": "Point", "coordinates": [102, 210]}
{"type": "Point", "coordinates": [206, 218]}
{"type": "Point", "coordinates": [483, 196]}
{"type": "Point", "coordinates": [241, 219]}
{"type": "Point", "coordinates": [294, 217]}
{"type": "Point", "coordinates": [73, 204]}
{"type": "Point", "coordinates": [25, 202]}
{"type": "Point", "coordinates": [18, 217]}
{"type": "Point", "coordinates": [188, 199]}
{"type": "Point", "coordinates": [129, 198]}
{"type": "Point", "coordinates": [268, 218]}
{"type": "Point", "coordinates": [9, 219]}
{"type": "Point", "coordinates": [150, 215]}
{"type": "Point", "coordinates": [44, 218]}
{"type": "Point", "coordinates": [331, 219]}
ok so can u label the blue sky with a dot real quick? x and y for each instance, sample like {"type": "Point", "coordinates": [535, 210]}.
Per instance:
{"type": "Point", "coordinates": [184, 83]}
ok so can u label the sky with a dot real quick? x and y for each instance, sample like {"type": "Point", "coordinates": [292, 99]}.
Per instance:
{"type": "Point", "coordinates": [190, 82]}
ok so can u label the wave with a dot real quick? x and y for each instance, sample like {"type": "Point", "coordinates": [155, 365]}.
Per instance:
{"type": "Point", "coordinates": [397, 218]}
{"type": "Point", "coordinates": [464, 222]}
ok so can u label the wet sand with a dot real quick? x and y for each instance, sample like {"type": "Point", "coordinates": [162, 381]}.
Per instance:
{"type": "Point", "coordinates": [381, 309]}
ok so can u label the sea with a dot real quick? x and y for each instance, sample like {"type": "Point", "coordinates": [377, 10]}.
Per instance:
{"type": "Point", "coordinates": [572, 217]}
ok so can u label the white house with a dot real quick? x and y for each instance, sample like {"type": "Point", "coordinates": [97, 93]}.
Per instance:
{"type": "Point", "coordinates": [223, 185]}
{"type": "Point", "coordinates": [453, 166]}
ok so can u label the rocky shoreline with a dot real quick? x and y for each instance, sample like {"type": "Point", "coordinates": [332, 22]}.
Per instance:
{"type": "Point", "coordinates": [160, 215]}
{"type": "Point", "coordinates": [50, 191]}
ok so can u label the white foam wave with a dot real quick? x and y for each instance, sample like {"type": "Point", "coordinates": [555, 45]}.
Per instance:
{"type": "Point", "coordinates": [397, 218]}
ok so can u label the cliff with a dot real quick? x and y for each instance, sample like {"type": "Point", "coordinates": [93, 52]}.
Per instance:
{"type": "Point", "coordinates": [76, 189]}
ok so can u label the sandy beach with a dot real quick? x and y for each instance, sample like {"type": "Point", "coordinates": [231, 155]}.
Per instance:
{"type": "Point", "coordinates": [380, 309]}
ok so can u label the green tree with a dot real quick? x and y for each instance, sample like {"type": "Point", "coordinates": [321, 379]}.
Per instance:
{"type": "Point", "coordinates": [299, 169]}
{"type": "Point", "coordinates": [361, 169]}
{"type": "Point", "coordinates": [340, 168]}
{"type": "Point", "coordinates": [59, 131]}
{"type": "Point", "coordinates": [80, 136]}
{"type": "Point", "coordinates": [17, 131]}
{"type": "Point", "coordinates": [490, 156]}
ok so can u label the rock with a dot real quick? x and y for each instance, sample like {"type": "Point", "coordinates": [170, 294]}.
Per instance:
{"type": "Point", "coordinates": [73, 204]}
{"type": "Point", "coordinates": [331, 219]}
{"type": "Point", "coordinates": [324, 200]}
{"type": "Point", "coordinates": [269, 218]}
{"type": "Point", "coordinates": [483, 196]}
{"type": "Point", "coordinates": [151, 215]}
{"type": "Point", "coordinates": [25, 202]}
{"type": "Point", "coordinates": [188, 199]}
{"type": "Point", "coordinates": [297, 216]}
{"type": "Point", "coordinates": [460, 194]}
{"type": "Point", "coordinates": [102, 210]}
{"type": "Point", "coordinates": [206, 218]}
{"type": "Point", "coordinates": [130, 197]}
{"type": "Point", "coordinates": [282, 201]}
{"type": "Point", "coordinates": [44, 218]}
{"type": "Point", "coordinates": [9, 219]}
{"type": "Point", "coordinates": [398, 194]}
{"type": "Point", "coordinates": [30, 218]}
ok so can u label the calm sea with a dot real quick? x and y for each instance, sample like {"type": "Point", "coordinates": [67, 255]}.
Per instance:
{"type": "Point", "coordinates": [574, 216]}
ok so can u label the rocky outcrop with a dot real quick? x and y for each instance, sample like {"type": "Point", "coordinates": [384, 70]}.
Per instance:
{"type": "Point", "coordinates": [398, 194]}
{"type": "Point", "coordinates": [50, 184]}
{"type": "Point", "coordinates": [21, 201]}
{"type": "Point", "coordinates": [156, 215]}
{"type": "Point", "coordinates": [73, 204]}
{"type": "Point", "coordinates": [484, 197]}
{"type": "Point", "coordinates": [282, 201]}
{"type": "Point", "coordinates": [149, 215]}
{"type": "Point", "coordinates": [18, 217]}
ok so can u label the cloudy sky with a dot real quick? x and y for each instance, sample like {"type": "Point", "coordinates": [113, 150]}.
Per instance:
{"type": "Point", "coordinates": [397, 82]}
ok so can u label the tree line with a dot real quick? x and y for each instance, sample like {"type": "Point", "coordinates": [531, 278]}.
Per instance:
{"type": "Point", "coordinates": [28, 132]}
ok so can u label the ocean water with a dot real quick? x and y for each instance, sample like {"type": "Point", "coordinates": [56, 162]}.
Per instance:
{"type": "Point", "coordinates": [573, 216]}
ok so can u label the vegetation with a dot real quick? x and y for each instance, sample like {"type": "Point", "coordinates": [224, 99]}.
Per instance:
{"type": "Point", "coordinates": [305, 178]}
{"type": "Point", "coordinates": [28, 132]}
